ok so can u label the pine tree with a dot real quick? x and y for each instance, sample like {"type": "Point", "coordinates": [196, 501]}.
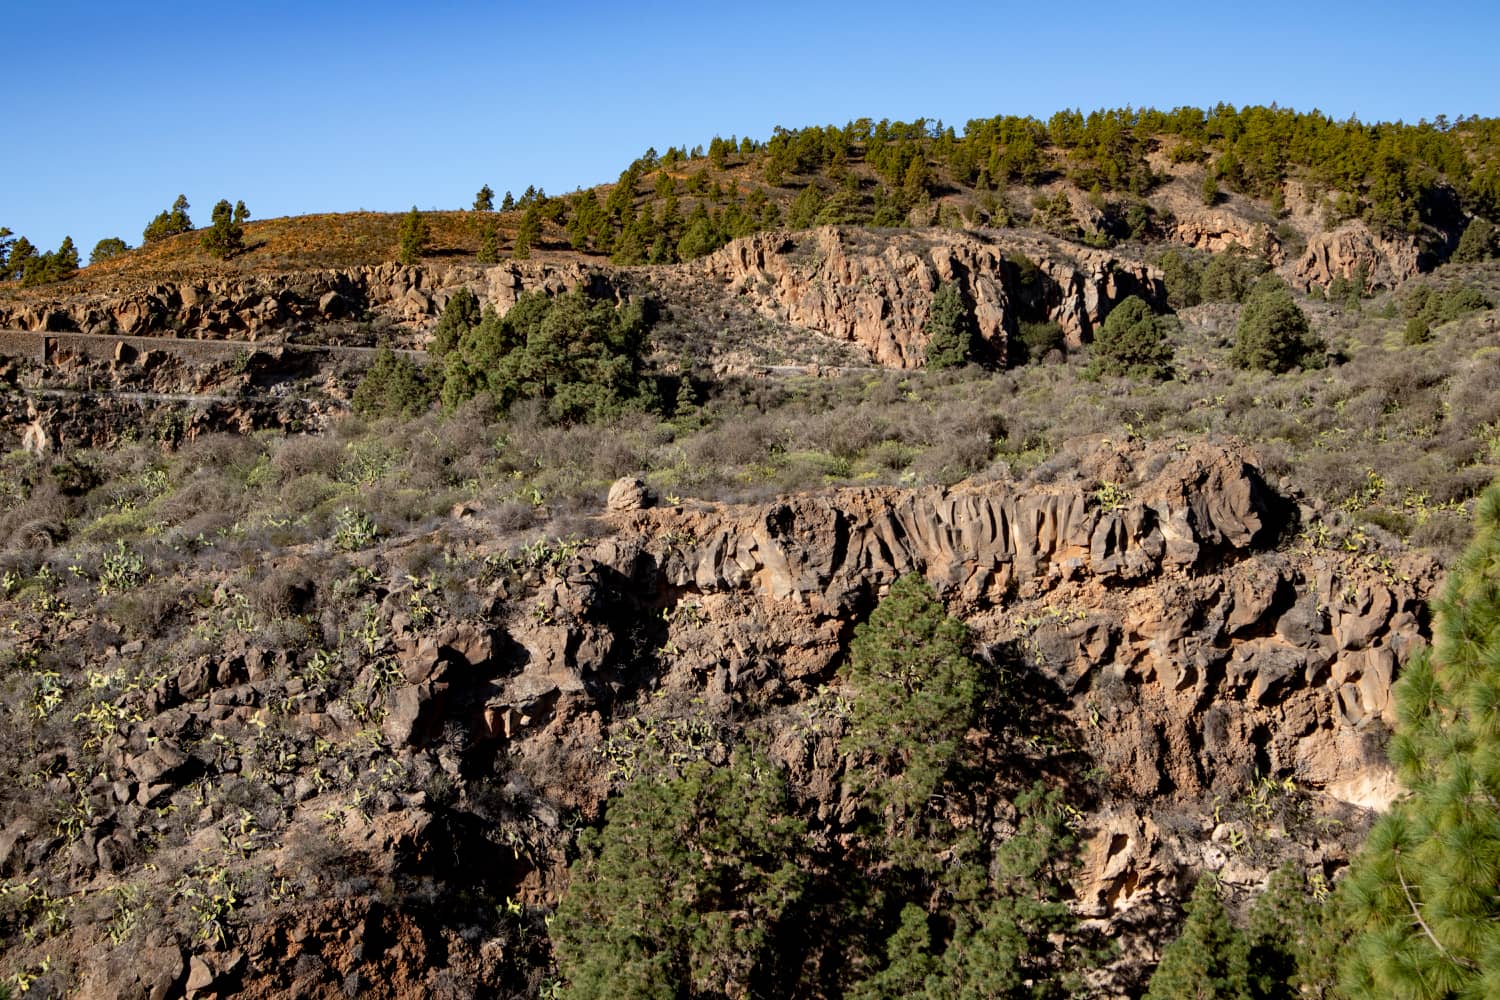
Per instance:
{"type": "Point", "coordinates": [484, 201]}
{"type": "Point", "coordinates": [21, 255]}
{"type": "Point", "coordinates": [1273, 333]}
{"type": "Point", "coordinates": [411, 237]}
{"type": "Point", "coordinates": [1423, 895]}
{"type": "Point", "coordinates": [949, 328]}
{"type": "Point", "coordinates": [1479, 242]}
{"type": "Point", "coordinates": [1286, 940]}
{"type": "Point", "coordinates": [489, 244]}
{"type": "Point", "coordinates": [1209, 189]}
{"type": "Point", "coordinates": [915, 695]}
{"type": "Point", "coordinates": [226, 237]}
{"type": "Point", "coordinates": [683, 891]}
{"type": "Point", "coordinates": [107, 249]}
{"type": "Point", "coordinates": [460, 315]}
{"type": "Point", "coordinates": [508, 203]}
{"type": "Point", "coordinates": [66, 258]}
{"type": "Point", "coordinates": [527, 233]}
{"type": "Point", "coordinates": [1210, 958]}
{"type": "Point", "coordinates": [169, 223]}
{"type": "Point", "coordinates": [1133, 341]}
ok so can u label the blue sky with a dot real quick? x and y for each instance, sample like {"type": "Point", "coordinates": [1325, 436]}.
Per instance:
{"type": "Point", "coordinates": [114, 108]}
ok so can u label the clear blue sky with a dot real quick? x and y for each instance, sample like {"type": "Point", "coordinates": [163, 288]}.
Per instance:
{"type": "Point", "coordinates": [114, 108]}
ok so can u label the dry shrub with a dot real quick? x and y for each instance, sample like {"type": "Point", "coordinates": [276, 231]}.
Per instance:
{"type": "Point", "coordinates": [513, 515]}
{"type": "Point", "coordinates": [142, 613]}
{"type": "Point", "coordinates": [230, 454]}
{"type": "Point", "coordinates": [208, 489]}
{"type": "Point", "coordinates": [306, 455]}
{"type": "Point", "coordinates": [307, 493]}
{"type": "Point", "coordinates": [284, 591]}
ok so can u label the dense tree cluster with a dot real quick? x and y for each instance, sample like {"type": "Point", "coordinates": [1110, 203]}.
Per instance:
{"type": "Point", "coordinates": [580, 357]}
{"type": "Point", "coordinates": [707, 881]}
{"type": "Point", "coordinates": [169, 222]}
{"type": "Point", "coordinates": [1399, 178]}
{"type": "Point", "coordinates": [20, 260]}
{"type": "Point", "coordinates": [1283, 953]}
{"type": "Point", "coordinates": [226, 236]}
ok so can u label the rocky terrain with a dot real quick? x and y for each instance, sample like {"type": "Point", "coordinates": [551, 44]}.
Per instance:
{"type": "Point", "coordinates": [829, 297]}
{"type": "Point", "coordinates": [304, 699]}
{"type": "Point", "coordinates": [1197, 640]}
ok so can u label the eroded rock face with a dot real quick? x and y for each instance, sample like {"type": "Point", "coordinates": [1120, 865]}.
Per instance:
{"type": "Point", "coordinates": [1195, 658]}
{"type": "Point", "coordinates": [1215, 231]}
{"type": "Point", "coordinates": [1342, 252]}
{"type": "Point", "coordinates": [878, 294]}
{"type": "Point", "coordinates": [250, 306]}
{"type": "Point", "coordinates": [1227, 688]}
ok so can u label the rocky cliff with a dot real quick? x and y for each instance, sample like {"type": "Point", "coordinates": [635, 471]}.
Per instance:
{"type": "Point", "coordinates": [877, 293]}
{"type": "Point", "coordinates": [1203, 662]}
{"type": "Point", "coordinates": [838, 283]}
{"type": "Point", "coordinates": [249, 307]}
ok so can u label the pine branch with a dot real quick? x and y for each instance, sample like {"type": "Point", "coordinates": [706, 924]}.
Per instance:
{"type": "Point", "coordinates": [1417, 915]}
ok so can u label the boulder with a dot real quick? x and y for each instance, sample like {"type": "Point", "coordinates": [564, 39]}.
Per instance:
{"type": "Point", "coordinates": [630, 493]}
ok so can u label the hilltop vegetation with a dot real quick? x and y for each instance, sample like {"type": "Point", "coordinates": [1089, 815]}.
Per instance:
{"type": "Point", "coordinates": [1425, 181]}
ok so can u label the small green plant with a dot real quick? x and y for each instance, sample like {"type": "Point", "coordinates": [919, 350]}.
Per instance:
{"type": "Point", "coordinates": [120, 570]}
{"type": "Point", "coordinates": [212, 898]}
{"type": "Point", "coordinates": [1112, 497]}
{"type": "Point", "coordinates": [126, 916]}
{"type": "Point", "coordinates": [353, 529]}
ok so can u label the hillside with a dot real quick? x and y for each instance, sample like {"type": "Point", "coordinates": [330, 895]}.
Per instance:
{"type": "Point", "coordinates": [523, 627]}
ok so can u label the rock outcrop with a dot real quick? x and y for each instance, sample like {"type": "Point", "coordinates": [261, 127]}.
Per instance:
{"type": "Point", "coordinates": [1215, 231]}
{"type": "Point", "coordinates": [877, 293]}
{"type": "Point", "coordinates": [250, 307]}
{"type": "Point", "coordinates": [1346, 250]}
{"type": "Point", "coordinates": [1226, 691]}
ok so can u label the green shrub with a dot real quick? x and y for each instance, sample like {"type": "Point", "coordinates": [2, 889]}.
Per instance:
{"type": "Point", "coordinates": [1133, 341]}
{"type": "Point", "coordinates": [1479, 242]}
{"type": "Point", "coordinates": [1417, 331]}
{"type": "Point", "coordinates": [1183, 277]}
{"type": "Point", "coordinates": [353, 529]}
{"type": "Point", "coordinates": [1436, 306]}
{"type": "Point", "coordinates": [1273, 333]}
{"type": "Point", "coordinates": [1037, 340]}
{"type": "Point", "coordinates": [1231, 274]}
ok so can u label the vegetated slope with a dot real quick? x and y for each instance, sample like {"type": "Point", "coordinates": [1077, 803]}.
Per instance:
{"type": "Point", "coordinates": [331, 713]}
{"type": "Point", "coordinates": [280, 724]}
